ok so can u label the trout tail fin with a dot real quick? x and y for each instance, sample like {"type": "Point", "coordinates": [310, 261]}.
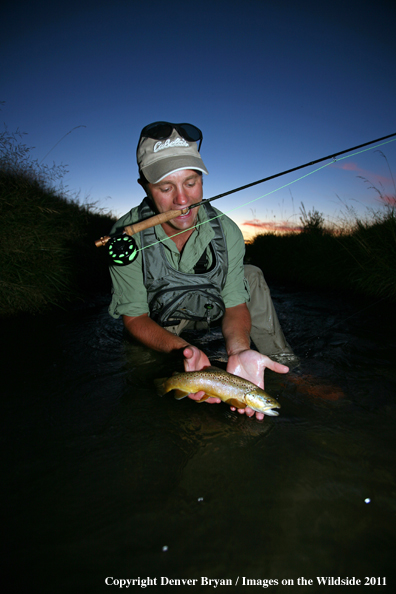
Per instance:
{"type": "Point", "coordinates": [160, 385]}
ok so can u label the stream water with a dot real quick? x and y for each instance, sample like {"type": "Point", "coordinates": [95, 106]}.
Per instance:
{"type": "Point", "coordinates": [102, 479]}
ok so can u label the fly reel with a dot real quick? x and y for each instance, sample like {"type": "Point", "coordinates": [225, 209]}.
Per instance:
{"type": "Point", "coordinates": [122, 250]}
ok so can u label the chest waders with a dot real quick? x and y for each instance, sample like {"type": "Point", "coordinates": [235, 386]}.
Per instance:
{"type": "Point", "coordinates": [173, 295]}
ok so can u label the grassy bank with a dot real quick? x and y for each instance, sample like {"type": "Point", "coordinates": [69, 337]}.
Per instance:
{"type": "Point", "coordinates": [359, 257]}
{"type": "Point", "coordinates": [47, 252]}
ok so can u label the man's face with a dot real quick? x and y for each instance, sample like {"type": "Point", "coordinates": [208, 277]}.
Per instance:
{"type": "Point", "coordinates": [178, 191]}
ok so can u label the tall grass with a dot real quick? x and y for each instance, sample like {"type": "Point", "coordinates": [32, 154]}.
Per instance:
{"type": "Point", "coordinates": [357, 256]}
{"type": "Point", "coordinates": [373, 246]}
{"type": "Point", "coordinates": [47, 255]}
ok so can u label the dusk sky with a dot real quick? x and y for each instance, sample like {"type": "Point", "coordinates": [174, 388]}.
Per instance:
{"type": "Point", "coordinates": [272, 85]}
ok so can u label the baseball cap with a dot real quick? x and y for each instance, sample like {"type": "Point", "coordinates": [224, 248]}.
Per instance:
{"type": "Point", "coordinates": [158, 158]}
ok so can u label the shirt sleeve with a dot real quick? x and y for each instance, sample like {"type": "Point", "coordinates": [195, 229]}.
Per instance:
{"type": "Point", "coordinates": [236, 289]}
{"type": "Point", "coordinates": [129, 295]}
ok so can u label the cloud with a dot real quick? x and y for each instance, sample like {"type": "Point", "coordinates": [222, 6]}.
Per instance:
{"type": "Point", "coordinates": [272, 226]}
{"type": "Point", "coordinates": [351, 167]}
{"type": "Point", "coordinates": [363, 173]}
{"type": "Point", "coordinates": [389, 200]}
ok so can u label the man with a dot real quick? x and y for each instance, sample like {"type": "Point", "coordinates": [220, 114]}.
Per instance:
{"type": "Point", "coordinates": [190, 269]}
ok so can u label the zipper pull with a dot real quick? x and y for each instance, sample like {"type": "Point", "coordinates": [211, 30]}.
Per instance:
{"type": "Point", "coordinates": [208, 307]}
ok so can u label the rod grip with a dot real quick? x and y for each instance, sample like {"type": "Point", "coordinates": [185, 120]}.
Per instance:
{"type": "Point", "coordinates": [158, 219]}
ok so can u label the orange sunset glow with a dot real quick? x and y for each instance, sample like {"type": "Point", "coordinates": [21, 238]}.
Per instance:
{"type": "Point", "coordinates": [254, 227]}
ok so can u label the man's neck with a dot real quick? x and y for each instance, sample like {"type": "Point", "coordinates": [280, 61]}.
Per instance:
{"type": "Point", "coordinates": [180, 239]}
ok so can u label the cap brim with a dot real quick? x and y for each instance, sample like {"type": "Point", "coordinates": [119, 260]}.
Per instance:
{"type": "Point", "coordinates": [157, 171]}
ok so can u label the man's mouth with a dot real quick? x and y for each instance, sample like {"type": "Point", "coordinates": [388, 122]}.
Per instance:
{"type": "Point", "coordinates": [185, 215]}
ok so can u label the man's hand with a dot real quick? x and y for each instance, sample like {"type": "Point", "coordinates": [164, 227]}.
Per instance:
{"type": "Point", "coordinates": [251, 366]}
{"type": "Point", "coordinates": [195, 360]}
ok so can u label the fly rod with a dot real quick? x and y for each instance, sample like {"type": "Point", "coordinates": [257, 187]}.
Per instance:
{"type": "Point", "coordinates": [172, 214]}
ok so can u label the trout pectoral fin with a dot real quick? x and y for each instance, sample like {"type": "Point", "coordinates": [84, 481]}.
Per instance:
{"type": "Point", "coordinates": [204, 397]}
{"type": "Point", "coordinates": [237, 403]}
{"type": "Point", "coordinates": [179, 394]}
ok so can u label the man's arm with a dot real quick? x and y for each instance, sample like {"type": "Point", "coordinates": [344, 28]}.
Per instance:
{"type": "Point", "coordinates": [152, 335]}
{"type": "Point", "coordinates": [236, 326]}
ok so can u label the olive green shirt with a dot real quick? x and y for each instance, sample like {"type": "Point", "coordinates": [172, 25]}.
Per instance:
{"type": "Point", "coordinates": [129, 295]}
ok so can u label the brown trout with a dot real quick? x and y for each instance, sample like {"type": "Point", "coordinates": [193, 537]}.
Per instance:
{"type": "Point", "coordinates": [231, 389]}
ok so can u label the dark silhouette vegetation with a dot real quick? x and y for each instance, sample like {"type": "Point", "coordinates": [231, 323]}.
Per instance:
{"type": "Point", "coordinates": [47, 252]}
{"type": "Point", "coordinates": [358, 256]}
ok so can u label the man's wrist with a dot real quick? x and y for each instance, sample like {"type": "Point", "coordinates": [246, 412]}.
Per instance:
{"type": "Point", "coordinates": [237, 349]}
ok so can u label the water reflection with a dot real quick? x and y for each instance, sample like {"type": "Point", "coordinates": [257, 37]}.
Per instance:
{"type": "Point", "coordinates": [103, 473]}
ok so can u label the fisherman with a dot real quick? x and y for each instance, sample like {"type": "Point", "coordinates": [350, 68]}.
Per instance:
{"type": "Point", "coordinates": [191, 269]}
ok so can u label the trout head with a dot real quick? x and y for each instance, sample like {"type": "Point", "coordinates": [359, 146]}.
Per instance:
{"type": "Point", "coordinates": [262, 402]}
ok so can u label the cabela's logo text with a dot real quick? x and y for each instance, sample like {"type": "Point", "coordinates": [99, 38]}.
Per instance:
{"type": "Point", "coordinates": [160, 146]}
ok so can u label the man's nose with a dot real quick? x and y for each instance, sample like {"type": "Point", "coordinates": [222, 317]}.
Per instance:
{"type": "Point", "coordinates": [181, 196]}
